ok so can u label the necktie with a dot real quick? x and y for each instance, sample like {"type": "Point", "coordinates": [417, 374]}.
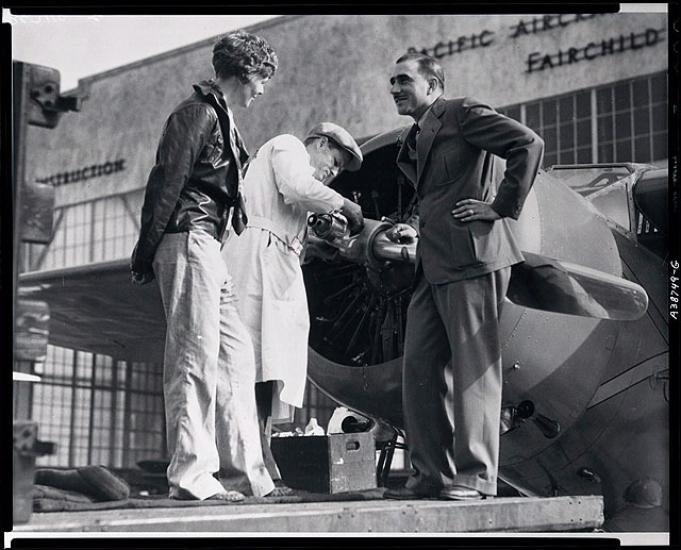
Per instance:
{"type": "Point", "coordinates": [411, 142]}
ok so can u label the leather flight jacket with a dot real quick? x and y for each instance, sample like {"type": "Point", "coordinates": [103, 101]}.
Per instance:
{"type": "Point", "coordinates": [197, 175]}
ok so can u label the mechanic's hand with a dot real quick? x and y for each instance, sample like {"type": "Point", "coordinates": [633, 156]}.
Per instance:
{"type": "Point", "coordinates": [469, 210]}
{"type": "Point", "coordinates": [402, 233]}
{"type": "Point", "coordinates": [142, 278]}
{"type": "Point", "coordinates": [353, 212]}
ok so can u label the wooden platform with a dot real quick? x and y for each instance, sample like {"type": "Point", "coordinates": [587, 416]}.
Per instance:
{"type": "Point", "coordinates": [517, 514]}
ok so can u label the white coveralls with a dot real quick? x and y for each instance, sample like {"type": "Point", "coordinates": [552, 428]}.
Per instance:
{"type": "Point", "coordinates": [264, 261]}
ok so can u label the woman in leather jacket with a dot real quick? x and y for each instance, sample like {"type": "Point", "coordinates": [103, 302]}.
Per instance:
{"type": "Point", "coordinates": [209, 372]}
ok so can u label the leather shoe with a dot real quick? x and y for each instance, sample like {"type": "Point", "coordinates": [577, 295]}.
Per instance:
{"type": "Point", "coordinates": [404, 493]}
{"type": "Point", "coordinates": [458, 492]}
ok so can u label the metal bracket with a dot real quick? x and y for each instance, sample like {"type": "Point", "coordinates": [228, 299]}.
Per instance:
{"type": "Point", "coordinates": [46, 94]}
{"type": "Point", "coordinates": [26, 442]}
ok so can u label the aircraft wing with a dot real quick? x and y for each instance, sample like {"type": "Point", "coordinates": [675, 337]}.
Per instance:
{"type": "Point", "coordinates": [97, 308]}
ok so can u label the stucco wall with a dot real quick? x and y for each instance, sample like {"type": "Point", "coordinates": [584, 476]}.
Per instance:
{"type": "Point", "coordinates": [337, 68]}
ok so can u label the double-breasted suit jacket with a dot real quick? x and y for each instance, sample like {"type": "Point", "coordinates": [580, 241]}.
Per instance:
{"type": "Point", "coordinates": [455, 161]}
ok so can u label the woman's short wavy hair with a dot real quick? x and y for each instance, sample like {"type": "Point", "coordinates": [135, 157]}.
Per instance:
{"type": "Point", "coordinates": [243, 55]}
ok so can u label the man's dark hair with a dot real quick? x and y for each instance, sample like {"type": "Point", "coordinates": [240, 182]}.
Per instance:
{"type": "Point", "coordinates": [242, 54]}
{"type": "Point", "coordinates": [427, 66]}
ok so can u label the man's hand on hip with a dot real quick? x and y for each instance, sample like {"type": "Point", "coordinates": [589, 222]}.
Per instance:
{"type": "Point", "coordinates": [469, 210]}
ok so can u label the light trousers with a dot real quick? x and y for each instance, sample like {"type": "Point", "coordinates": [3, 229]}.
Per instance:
{"type": "Point", "coordinates": [208, 374]}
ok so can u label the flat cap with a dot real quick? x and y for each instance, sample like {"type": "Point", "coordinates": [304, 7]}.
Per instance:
{"type": "Point", "coordinates": [341, 137]}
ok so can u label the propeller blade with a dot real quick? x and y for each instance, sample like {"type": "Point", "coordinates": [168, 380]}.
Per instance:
{"type": "Point", "coordinates": [540, 282]}
{"type": "Point", "coordinates": [553, 285]}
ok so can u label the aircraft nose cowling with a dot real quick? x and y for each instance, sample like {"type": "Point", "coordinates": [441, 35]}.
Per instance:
{"type": "Point", "coordinates": [358, 308]}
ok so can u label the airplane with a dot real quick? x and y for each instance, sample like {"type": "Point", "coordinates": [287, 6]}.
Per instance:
{"type": "Point", "coordinates": [584, 332]}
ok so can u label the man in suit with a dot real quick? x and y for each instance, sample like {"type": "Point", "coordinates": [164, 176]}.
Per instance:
{"type": "Point", "coordinates": [452, 377]}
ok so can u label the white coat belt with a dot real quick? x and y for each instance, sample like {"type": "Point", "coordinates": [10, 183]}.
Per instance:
{"type": "Point", "coordinates": [294, 243]}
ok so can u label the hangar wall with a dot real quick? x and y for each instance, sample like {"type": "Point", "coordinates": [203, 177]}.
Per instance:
{"type": "Point", "coordinates": [337, 68]}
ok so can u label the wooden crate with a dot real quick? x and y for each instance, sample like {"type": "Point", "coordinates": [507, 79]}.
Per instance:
{"type": "Point", "coordinates": [334, 463]}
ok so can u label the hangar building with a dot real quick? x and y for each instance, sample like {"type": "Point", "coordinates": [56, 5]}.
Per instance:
{"type": "Point", "coordinates": [593, 86]}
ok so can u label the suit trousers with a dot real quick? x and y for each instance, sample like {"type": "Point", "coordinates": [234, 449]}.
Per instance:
{"type": "Point", "coordinates": [208, 374]}
{"type": "Point", "coordinates": [452, 382]}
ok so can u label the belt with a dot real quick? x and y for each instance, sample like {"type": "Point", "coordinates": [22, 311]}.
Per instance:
{"type": "Point", "coordinates": [294, 243]}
